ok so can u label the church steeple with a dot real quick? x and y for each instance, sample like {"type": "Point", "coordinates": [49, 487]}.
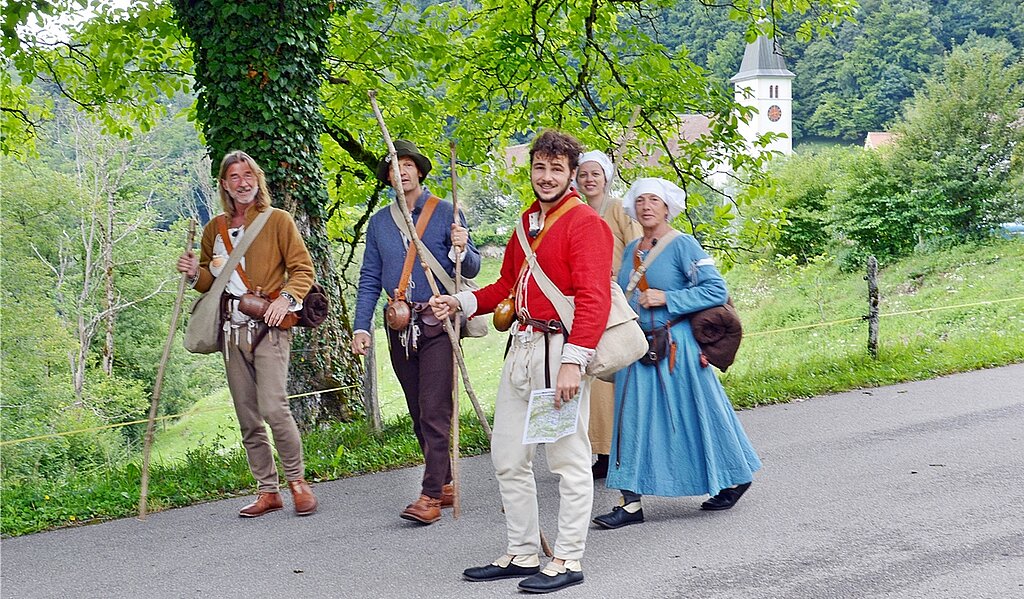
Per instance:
{"type": "Point", "coordinates": [761, 60]}
{"type": "Point", "coordinates": [765, 84]}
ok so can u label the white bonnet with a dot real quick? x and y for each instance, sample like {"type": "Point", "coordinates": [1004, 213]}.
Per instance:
{"type": "Point", "coordinates": [602, 159]}
{"type": "Point", "coordinates": [667, 191]}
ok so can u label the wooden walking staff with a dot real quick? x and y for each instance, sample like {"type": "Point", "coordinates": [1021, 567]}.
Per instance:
{"type": "Point", "coordinates": [147, 445]}
{"type": "Point", "coordinates": [422, 251]}
{"type": "Point", "coordinates": [545, 547]}
{"type": "Point", "coordinates": [457, 498]}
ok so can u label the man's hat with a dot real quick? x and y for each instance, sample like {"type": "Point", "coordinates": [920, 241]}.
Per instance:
{"type": "Point", "coordinates": [404, 149]}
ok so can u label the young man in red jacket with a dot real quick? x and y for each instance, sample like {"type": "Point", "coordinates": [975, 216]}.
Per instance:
{"type": "Point", "coordinates": [571, 243]}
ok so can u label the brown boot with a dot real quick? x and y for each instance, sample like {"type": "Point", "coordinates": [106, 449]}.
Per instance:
{"type": "Point", "coordinates": [264, 504]}
{"type": "Point", "coordinates": [448, 495]}
{"type": "Point", "coordinates": [302, 496]}
{"type": "Point", "coordinates": [425, 510]}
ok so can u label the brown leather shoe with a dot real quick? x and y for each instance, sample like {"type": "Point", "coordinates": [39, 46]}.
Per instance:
{"type": "Point", "coordinates": [303, 498]}
{"type": "Point", "coordinates": [448, 495]}
{"type": "Point", "coordinates": [425, 510]}
{"type": "Point", "coordinates": [264, 504]}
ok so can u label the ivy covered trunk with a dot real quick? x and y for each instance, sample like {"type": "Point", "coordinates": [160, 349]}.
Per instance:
{"type": "Point", "coordinates": [258, 67]}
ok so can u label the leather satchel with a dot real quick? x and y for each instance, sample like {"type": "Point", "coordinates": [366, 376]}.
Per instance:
{"type": "Point", "coordinates": [315, 307]}
{"type": "Point", "coordinates": [623, 341]}
{"type": "Point", "coordinates": [203, 331]}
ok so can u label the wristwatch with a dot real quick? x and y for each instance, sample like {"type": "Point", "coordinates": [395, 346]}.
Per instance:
{"type": "Point", "coordinates": [291, 300]}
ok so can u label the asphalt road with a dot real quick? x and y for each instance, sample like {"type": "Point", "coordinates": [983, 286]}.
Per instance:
{"type": "Point", "coordinates": [909, 491]}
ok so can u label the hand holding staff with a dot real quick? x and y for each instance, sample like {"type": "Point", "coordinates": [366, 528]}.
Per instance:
{"type": "Point", "coordinates": [422, 251]}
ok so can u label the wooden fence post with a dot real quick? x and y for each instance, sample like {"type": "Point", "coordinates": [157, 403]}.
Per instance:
{"type": "Point", "coordinates": [370, 400]}
{"type": "Point", "coordinates": [872, 317]}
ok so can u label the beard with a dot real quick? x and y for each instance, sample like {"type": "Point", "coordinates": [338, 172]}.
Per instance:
{"type": "Point", "coordinates": [557, 196]}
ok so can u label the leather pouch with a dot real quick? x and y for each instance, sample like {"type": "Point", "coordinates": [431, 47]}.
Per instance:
{"type": "Point", "coordinates": [254, 306]}
{"type": "Point", "coordinates": [658, 345]}
{"type": "Point", "coordinates": [430, 326]}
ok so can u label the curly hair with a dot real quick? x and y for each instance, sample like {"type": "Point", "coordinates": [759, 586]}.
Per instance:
{"type": "Point", "coordinates": [552, 143]}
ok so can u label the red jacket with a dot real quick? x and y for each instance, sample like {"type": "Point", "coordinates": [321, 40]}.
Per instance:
{"type": "Point", "coordinates": [576, 255]}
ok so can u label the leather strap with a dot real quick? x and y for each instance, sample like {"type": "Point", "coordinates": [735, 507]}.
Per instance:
{"type": "Point", "coordinates": [549, 223]}
{"type": "Point", "coordinates": [410, 252]}
{"type": "Point", "coordinates": [639, 277]}
{"type": "Point", "coordinates": [236, 254]}
{"type": "Point", "coordinates": [435, 267]}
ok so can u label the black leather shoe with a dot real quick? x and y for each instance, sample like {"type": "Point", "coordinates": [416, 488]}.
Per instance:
{"type": "Point", "coordinates": [492, 572]}
{"type": "Point", "coordinates": [619, 517]}
{"type": "Point", "coordinates": [600, 467]}
{"type": "Point", "coordinates": [726, 498]}
{"type": "Point", "coordinates": [543, 583]}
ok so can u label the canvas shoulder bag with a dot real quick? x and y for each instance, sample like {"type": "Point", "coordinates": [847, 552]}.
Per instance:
{"type": "Point", "coordinates": [623, 341]}
{"type": "Point", "coordinates": [203, 331]}
{"type": "Point", "coordinates": [474, 327]}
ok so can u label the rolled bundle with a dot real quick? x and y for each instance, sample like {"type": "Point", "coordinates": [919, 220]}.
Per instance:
{"type": "Point", "coordinates": [718, 331]}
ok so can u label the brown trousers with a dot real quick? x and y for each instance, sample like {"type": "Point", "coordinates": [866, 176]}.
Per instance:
{"type": "Point", "coordinates": [257, 380]}
{"type": "Point", "coordinates": [426, 379]}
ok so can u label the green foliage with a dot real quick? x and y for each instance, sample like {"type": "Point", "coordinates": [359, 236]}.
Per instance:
{"type": "Point", "coordinates": [962, 140]}
{"type": "Point", "coordinates": [872, 211]}
{"type": "Point", "coordinates": [208, 471]}
{"type": "Point", "coordinates": [952, 173]}
{"type": "Point", "coordinates": [120, 65]}
{"type": "Point", "coordinates": [54, 309]}
{"type": "Point", "coordinates": [801, 189]}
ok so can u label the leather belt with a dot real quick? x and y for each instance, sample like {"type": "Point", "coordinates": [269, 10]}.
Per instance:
{"type": "Point", "coordinates": [542, 326]}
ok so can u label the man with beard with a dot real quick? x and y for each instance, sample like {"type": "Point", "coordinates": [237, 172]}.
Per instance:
{"type": "Point", "coordinates": [571, 244]}
{"type": "Point", "coordinates": [257, 350]}
{"type": "Point", "coordinates": [421, 352]}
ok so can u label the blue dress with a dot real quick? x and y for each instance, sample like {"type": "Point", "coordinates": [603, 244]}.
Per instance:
{"type": "Point", "coordinates": [676, 433]}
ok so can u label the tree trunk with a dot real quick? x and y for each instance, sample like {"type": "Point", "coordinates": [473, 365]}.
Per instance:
{"type": "Point", "coordinates": [108, 283]}
{"type": "Point", "coordinates": [259, 66]}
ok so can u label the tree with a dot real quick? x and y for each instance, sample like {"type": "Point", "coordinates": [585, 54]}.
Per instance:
{"type": "Point", "coordinates": [268, 73]}
{"type": "Point", "coordinates": [962, 138]}
{"type": "Point", "coordinates": [259, 67]}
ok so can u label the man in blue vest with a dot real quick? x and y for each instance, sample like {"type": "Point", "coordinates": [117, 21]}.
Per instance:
{"type": "Point", "coordinates": [421, 352]}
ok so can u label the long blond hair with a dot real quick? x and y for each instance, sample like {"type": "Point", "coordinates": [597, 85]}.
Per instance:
{"type": "Point", "coordinates": [262, 200]}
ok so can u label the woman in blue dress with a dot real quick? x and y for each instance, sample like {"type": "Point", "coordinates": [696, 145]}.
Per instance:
{"type": "Point", "coordinates": [676, 433]}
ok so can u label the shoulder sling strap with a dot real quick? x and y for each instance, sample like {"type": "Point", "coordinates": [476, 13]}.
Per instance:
{"type": "Point", "coordinates": [236, 254]}
{"type": "Point", "coordinates": [639, 276]}
{"type": "Point", "coordinates": [410, 252]}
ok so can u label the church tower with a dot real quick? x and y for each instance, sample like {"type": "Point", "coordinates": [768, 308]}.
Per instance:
{"type": "Point", "coordinates": [765, 84]}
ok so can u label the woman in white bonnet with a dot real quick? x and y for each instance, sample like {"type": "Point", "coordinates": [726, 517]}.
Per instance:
{"type": "Point", "coordinates": [676, 434]}
{"type": "Point", "coordinates": [593, 181]}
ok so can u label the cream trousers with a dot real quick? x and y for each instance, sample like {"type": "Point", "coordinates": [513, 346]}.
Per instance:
{"type": "Point", "coordinates": [569, 457]}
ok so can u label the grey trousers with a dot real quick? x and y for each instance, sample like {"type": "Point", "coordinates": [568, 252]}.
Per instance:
{"type": "Point", "coordinates": [258, 383]}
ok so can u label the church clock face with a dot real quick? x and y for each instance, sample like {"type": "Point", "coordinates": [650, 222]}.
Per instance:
{"type": "Point", "coordinates": [774, 113]}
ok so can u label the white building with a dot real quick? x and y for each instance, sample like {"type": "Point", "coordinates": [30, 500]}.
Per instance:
{"type": "Point", "coordinates": [765, 84]}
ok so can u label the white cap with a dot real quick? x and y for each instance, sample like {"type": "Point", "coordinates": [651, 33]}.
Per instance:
{"type": "Point", "coordinates": [667, 191]}
{"type": "Point", "coordinates": [602, 159]}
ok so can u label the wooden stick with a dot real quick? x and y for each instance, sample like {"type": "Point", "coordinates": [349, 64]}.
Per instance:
{"type": "Point", "coordinates": [627, 136]}
{"type": "Point", "coordinates": [422, 250]}
{"type": "Point", "coordinates": [457, 500]}
{"type": "Point", "coordinates": [147, 445]}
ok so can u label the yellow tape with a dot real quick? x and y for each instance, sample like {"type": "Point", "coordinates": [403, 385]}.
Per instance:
{"type": "Point", "coordinates": [902, 313]}
{"type": "Point", "coordinates": [120, 424]}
